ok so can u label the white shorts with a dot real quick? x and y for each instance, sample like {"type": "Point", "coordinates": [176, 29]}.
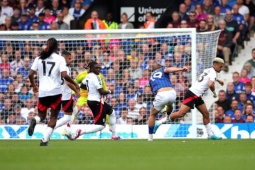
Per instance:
{"type": "Point", "coordinates": [164, 98]}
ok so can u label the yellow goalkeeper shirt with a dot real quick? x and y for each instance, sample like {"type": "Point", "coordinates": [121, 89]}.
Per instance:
{"type": "Point", "coordinates": [81, 76]}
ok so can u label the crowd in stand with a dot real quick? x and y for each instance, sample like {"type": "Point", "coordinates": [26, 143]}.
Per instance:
{"type": "Point", "coordinates": [126, 66]}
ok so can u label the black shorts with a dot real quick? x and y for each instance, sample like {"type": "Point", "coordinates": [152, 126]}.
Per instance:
{"type": "Point", "coordinates": [67, 105]}
{"type": "Point", "coordinates": [190, 99]}
{"type": "Point", "coordinates": [99, 111]}
{"type": "Point", "coordinates": [53, 102]}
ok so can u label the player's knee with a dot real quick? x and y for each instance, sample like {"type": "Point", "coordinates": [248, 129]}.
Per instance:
{"type": "Point", "coordinates": [181, 114]}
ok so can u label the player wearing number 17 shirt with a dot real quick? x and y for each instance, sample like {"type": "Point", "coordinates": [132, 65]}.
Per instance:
{"type": "Point", "coordinates": [164, 93]}
{"type": "Point", "coordinates": [51, 68]}
{"type": "Point", "coordinates": [193, 96]}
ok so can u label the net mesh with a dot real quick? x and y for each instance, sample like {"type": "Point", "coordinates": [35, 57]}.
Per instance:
{"type": "Point", "coordinates": [126, 61]}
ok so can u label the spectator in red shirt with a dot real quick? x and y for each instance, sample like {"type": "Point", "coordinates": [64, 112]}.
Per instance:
{"type": "Point", "coordinates": [48, 17]}
{"type": "Point", "coordinates": [176, 19]}
{"type": "Point", "coordinates": [238, 118]}
{"type": "Point", "coordinates": [221, 115]}
{"type": "Point", "coordinates": [192, 20]}
{"type": "Point", "coordinates": [244, 76]}
{"type": "Point", "coordinates": [4, 62]}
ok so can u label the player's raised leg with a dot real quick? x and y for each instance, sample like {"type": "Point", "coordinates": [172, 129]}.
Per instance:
{"type": "Point", "coordinates": [169, 109]}
{"type": "Point", "coordinates": [180, 113]}
{"type": "Point", "coordinates": [67, 107]}
{"type": "Point", "coordinates": [112, 121]}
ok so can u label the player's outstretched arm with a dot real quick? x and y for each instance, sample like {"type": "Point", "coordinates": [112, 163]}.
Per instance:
{"type": "Point", "coordinates": [104, 92]}
{"type": "Point", "coordinates": [212, 88]}
{"type": "Point", "coordinates": [69, 79]}
{"type": "Point", "coordinates": [32, 81]}
{"type": "Point", "coordinates": [220, 81]}
{"type": "Point", "coordinates": [174, 69]}
{"type": "Point", "coordinates": [71, 86]}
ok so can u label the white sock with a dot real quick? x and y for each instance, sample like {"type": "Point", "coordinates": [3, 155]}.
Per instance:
{"type": "Point", "coordinates": [63, 121]}
{"type": "Point", "coordinates": [47, 134]}
{"type": "Point", "coordinates": [209, 129]}
{"type": "Point", "coordinates": [92, 129]}
{"type": "Point", "coordinates": [74, 113]}
{"type": "Point", "coordinates": [112, 122]}
{"type": "Point", "coordinates": [37, 119]}
{"type": "Point", "coordinates": [163, 120]}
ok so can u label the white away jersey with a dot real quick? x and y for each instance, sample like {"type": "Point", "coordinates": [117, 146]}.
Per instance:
{"type": "Point", "coordinates": [66, 91]}
{"type": "Point", "coordinates": [93, 83]}
{"type": "Point", "coordinates": [202, 83]}
{"type": "Point", "coordinates": [49, 74]}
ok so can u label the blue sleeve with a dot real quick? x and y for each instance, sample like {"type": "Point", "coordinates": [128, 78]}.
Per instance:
{"type": "Point", "coordinates": [86, 2]}
{"type": "Point", "coordinates": [73, 2]}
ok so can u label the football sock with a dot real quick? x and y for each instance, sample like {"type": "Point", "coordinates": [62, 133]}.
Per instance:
{"type": "Point", "coordinates": [74, 113]}
{"type": "Point", "coordinates": [92, 129]}
{"type": "Point", "coordinates": [63, 121]}
{"type": "Point", "coordinates": [209, 129]}
{"type": "Point", "coordinates": [112, 122]}
{"type": "Point", "coordinates": [151, 129]}
{"type": "Point", "coordinates": [47, 134]}
{"type": "Point", "coordinates": [161, 121]}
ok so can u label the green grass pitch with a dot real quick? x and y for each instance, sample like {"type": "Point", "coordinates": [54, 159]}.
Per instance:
{"type": "Point", "coordinates": [128, 155]}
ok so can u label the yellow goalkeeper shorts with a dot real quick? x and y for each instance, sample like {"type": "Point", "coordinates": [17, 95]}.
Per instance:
{"type": "Point", "coordinates": [81, 101]}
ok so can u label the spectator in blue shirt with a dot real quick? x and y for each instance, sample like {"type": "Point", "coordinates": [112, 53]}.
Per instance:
{"type": "Point", "coordinates": [43, 25]}
{"type": "Point", "coordinates": [24, 94]}
{"type": "Point", "coordinates": [24, 24]}
{"type": "Point", "coordinates": [85, 3]}
{"type": "Point", "coordinates": [242, 101]}
{"type": "Point", "coordinates": [122, 102]}
{"type": "Point", "coordinates": [130, 92]}
{"type": "Point", "coordinates": [231, 112]}
{"type": "Point", "coordinates": [230, 92]}
{"type": "Point", "coordinates": [248, 111]}
{"type": "Point", "coordinates": [179, 61]}
{"type": "Point", "coordinates": [190, 7]}
{"type": "Point", "coordinates": [248, 91]}
{"type": "Point", "coordinates": [5, 80]}
{"type": "Point", "coordinates": [224, 7]}
{"type": "Point", "coordinates": [237, 16]}
{"type": "Point", "coordinates": [238, 86]}
{"type": "Point", "coordinates": [32, 17]}
{"type": "Point", "coordinates": [26, 68]}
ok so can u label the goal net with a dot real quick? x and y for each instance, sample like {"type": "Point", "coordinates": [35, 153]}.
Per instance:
{"type": "Point", "coordinates": [126, 58]}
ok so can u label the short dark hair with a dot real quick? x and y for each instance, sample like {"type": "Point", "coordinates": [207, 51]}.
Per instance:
{"type": "Point", "coordinates": [222, 91]}
{"type": "Point", "coordinates": [238, 110]}
{"type": "Point", "coordinates": [63, 7]}
{"type": "Point", "coordinates": [124, 109]}
{"type": "Point", "coordinates": [66, 53]}
{"type": "Point", "coordinates": [92, 64]}
{"type": "Point", "coordinates": [52, 45]}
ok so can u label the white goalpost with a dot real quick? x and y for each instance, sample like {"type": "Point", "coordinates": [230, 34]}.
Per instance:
{"type": "Point", "coordinates": [126, 57]}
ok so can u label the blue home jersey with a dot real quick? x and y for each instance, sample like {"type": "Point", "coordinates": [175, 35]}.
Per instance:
{"type": "Point", "coordinates": [159, 80]}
